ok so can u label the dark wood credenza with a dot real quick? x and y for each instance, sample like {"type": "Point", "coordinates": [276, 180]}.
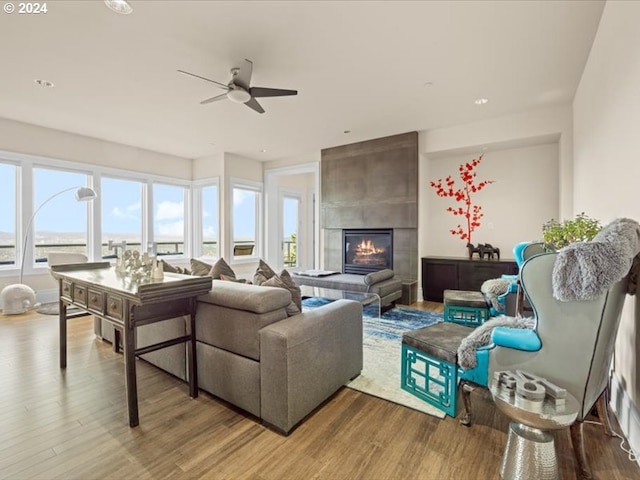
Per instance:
{"type": "Point", "coordinates": [457, 273]}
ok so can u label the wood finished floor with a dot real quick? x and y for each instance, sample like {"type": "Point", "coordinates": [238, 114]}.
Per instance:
{"type": "Point", "coordinates": [73, 425]}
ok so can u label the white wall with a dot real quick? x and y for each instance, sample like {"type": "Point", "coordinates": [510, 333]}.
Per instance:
{"type": "Point", "coordinates": [607, 169]}
{"type": "Point", "coordinates": [33, 140]}
{"type": "Point", "coordinates": [523, 197]}
{"type": "Point", "coordinates": [527, 128]}
{"type": "Point", "coordinates": [208, 167]}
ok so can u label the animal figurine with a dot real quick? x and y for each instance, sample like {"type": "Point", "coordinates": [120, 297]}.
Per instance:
{"type": "Point", "coordinates": [473, 250]}
{"type": "Point", "coordinates": [489, 250]}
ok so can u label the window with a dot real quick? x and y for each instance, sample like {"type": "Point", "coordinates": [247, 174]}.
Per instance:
{"type": "Point", "coordinates": [168, 219]}
{"type": "Point", "coordinates": [210, 220]}
{"type": "Point", "coordinates": [121, 215]}
{"type": "Point", "coordinates": [290, 233]}
{"type": "Point", "coordinates": [247, 199]}
{"type": "Point", "coordinates": [8, 175]}
{"type": "Point", "coordinates": [61, 224]}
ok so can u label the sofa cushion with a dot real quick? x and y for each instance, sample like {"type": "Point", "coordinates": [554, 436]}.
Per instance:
{"type": "Point", "coordinates": [276, 281]}
{"type": "Point", "coordinates": [227, 278]}
{"type": "Point", "coordinates": [167, 267]}
{"type": "Point", "coordinates": [375, 277]}
{"type": "Point", "coordinates": [231, 315]}
{"type": "Point", "coordinates": [222, 268]}
{"type": "Point", "coordinates": [263, 273]}
{"type": "Point", "coordinates": [247, 297]}
{"type": "Point", "coordinates": [200, 268]}
{"type": "Point", "coordinates": [296, 294]}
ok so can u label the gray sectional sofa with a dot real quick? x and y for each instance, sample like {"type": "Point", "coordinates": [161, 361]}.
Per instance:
{"type": "Point", "coordinates": [252, 355]}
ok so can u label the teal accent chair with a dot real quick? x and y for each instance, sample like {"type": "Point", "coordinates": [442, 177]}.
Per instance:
{"type": "Point", "coordinates": [571, 346]}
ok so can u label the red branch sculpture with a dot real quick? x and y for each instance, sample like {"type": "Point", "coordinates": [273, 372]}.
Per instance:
{"type": "Point", "coordinates": [472, 213]}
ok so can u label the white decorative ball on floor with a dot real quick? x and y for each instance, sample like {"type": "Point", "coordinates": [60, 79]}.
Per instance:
{"type": "Point", "coordinates": [17, 298]}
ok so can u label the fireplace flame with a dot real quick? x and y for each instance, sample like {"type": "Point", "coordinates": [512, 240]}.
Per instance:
{"type": "Point", "coordinates": [367, 247]}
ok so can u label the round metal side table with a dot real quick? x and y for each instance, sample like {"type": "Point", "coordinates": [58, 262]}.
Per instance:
{"type": "Point", "coordinates": [530, 453]}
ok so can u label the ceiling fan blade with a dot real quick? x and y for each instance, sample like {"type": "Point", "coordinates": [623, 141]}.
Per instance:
{"type": "Point", "coordinates": [214, 99]}
{"type": "Point", "coordinates": [259, 92]}
{"type": "Point", "coordinates": [243, 78]}
{"type": "Point", "coordinates": [253, 104]}
{"type": "Point", "coordinates": [222, 85]}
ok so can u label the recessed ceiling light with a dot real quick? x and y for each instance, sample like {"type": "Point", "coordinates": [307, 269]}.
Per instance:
{"type": "Point", "coordinates": [428, 84]}
{"type": "Point", "coordinates": [44, 83]}
{"type": "Point", "coordinates": [481, 101]}
{"type": "Point", "coordinates": [347, 131]}
{"type": "Point", "coordinates": [263, 150]}
{"type": "Point", "coordinates": [119, 6]}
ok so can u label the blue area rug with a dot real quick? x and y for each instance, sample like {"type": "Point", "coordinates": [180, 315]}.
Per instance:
{"type": "Point", "coordinates": [382, 341]}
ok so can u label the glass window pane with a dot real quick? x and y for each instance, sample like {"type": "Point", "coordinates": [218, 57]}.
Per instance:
{"type": "Point", "coordinates": [290, 207]}
{"type": "Point", "coordinates": [7, 214]}
{"type": "Point", "coordinates": [168, 219]}
{"type": "Point", "coordinates": [121, 214]}
{"type": "Point", "coordinates": [210, 221]}
{"type": "Point", "coordinates": [61, 223]}
{"type": "Point", "coordinates": [245, 214]}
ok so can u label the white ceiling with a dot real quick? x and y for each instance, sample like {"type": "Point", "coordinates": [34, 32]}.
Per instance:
{"type": "Point", "coordinates": [358, 66]}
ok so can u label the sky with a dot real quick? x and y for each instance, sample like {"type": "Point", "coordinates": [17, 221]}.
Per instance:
{"type": "Point", "coordinates": [121, 207]}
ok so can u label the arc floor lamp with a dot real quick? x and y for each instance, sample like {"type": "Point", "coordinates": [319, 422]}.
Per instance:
{"type": "Point", "coordinates": [18, 297]}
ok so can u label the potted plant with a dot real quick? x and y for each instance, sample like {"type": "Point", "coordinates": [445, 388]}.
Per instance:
{"type": "Point", "coordinates": [557, 235]}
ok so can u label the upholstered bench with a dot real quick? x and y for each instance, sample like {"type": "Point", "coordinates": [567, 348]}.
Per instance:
{"type": "Point", "coordinates": [383, 283]}
{"type": "Point", "coordinates": [429, 367]}
{"type": "Point", "coordinates": [465, 308]}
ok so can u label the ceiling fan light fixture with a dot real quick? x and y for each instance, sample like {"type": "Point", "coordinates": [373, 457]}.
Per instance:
{"type": "Point", "coordinates": [238, 95]}
{"type": "Point", "coordinates": [119, 6]}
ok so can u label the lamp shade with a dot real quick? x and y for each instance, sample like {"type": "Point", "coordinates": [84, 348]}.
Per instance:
{"type": "Point", "coordinates": [84, 194]}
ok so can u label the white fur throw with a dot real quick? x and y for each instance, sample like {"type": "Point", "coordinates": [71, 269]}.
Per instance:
{"type": "Point", "coordinates": [493, 288]}
{"type": "Point", "coordinates": [585, 270]}
{"type": "Point", "coordinates": [482, 336]}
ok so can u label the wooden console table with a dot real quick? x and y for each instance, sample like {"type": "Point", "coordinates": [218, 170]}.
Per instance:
{"type": "Point", "coordinates": [99, 290]}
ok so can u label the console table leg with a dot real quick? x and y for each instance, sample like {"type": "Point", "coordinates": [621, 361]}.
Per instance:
{"type": "Point", "coordinates": [129, 333]}
{"type": "Point", "coordinates": [191, 351]}
{"type": "Point", "coordinates": [62, 317]}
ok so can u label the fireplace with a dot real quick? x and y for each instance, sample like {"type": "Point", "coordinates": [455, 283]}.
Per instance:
{"type": "Point", "coordinates": [367, 250]}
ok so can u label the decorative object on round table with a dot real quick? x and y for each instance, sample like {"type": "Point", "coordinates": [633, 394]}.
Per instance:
{"type": "Point", "coordinates": [536, 406]}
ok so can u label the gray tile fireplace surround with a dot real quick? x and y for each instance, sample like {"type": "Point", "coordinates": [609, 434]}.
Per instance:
{"type": "Point", "coordinates": [372, 184]}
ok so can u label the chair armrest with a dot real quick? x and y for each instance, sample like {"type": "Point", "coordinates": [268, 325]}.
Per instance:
{"type": "Point", "coordinates": [305, 358]}
{"type": "Point", "coordinates": [516, 338]}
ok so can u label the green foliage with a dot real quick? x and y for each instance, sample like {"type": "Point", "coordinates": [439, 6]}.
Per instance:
{"type": "Point", "coordinates": [290, 251]}
{"type": "Point", "coordinates": [557, 235]}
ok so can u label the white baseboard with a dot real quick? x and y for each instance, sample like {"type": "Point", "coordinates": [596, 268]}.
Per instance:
{"type": "Point", "coordinates": [627, 414]}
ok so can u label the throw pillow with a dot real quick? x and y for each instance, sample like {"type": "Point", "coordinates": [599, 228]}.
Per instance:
{"type": "Point", "coordinates": [296, 294]}
{"type": "Point", "coordinates": [200, 268]}
{"type": "Point", "coordinates": [167, 267]}
{"type": "Point", "coordinates": [232, 279]}
{"type": "Point", "coordinates": [276, 281]}
{"type": "Point", "coordinates": [263, 273]}
{"type": "Point", "coordinates": [221, 268]}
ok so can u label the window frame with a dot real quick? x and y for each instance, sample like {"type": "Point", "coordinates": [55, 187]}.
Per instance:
{"type": "Point", "coordinates": [25, 198]}
{"type": "Point", "coordinates": [186, 200]}
{"type": "Point", "coordinates": [198, 220]}
{"type": "Point", "coordinates": [17, 202]}
{"type": "Point", "coordinates": [258, 188]}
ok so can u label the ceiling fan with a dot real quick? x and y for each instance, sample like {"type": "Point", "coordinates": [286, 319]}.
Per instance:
{"type": "Point", "coordinates": [239, 89]}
